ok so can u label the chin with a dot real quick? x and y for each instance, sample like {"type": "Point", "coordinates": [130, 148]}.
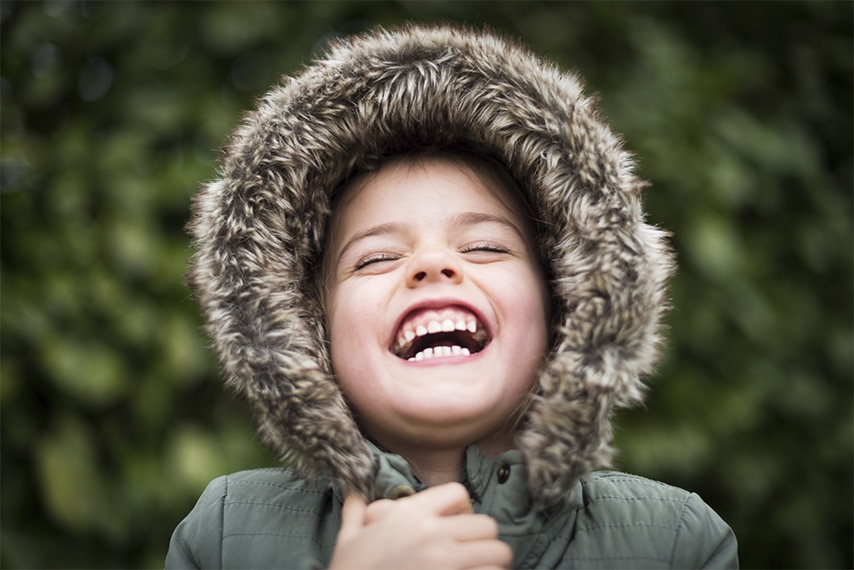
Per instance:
{"type": "Point", "coordinates": [453, 427]}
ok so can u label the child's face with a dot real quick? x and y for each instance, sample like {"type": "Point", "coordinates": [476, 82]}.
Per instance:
{"type": "Point", "coordinates": [425, 245]}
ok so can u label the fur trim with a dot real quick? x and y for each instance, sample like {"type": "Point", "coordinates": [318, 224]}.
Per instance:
{"type": "Point", "coordinates": [259, 232]}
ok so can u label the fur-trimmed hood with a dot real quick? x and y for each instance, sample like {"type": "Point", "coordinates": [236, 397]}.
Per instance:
{"type": "Point", "coordinates": [259, 233]}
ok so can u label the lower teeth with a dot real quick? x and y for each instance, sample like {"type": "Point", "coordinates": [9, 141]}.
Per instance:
{"type": "Point", "coordinates": [440, 351]}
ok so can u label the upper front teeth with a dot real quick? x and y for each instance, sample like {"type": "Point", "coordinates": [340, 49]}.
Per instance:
{"type": "Point", "coordinates": [408, 334]}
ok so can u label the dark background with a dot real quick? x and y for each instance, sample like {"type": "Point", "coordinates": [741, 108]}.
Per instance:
{"type": "Point", "coordinates": [112, 414]}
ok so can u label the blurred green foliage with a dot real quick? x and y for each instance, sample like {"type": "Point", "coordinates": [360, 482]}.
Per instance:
{"type": "Point", "coordinates": [113, 417]}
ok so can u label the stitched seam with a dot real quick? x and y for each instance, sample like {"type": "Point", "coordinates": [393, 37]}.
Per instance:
{"type": "Point", "coordinates": [618, 498]}
{"type": "Point", "coordinates": [277, 534]}
{"type": "Point", "coordinates": [222, 521]}
{"type": "Point", "coordinates": [640, 480]}
{"type": "Point", "coordinates": [274, 506]}
{"type": "Point", "coordinates": [535, 553]}
{"type": "Point", "coordinates": [616, 558]}
{"type": "Point", "coordinates": [526, 535]}
{"type": "Point", "coordinates": [679, 528]}
{"type": "Point", "coordinates": [285, 487]}
{"type": "Point", "coordinates": [627, 525]}
{"type": "Point", "coordinates": [633, 480]}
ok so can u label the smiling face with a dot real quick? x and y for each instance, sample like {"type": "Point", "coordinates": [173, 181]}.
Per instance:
{"type": "Point", "coordinates": [436, 305]}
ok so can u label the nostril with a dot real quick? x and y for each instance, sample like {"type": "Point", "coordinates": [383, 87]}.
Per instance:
{"type": "Point", "coordinates": [421, 275]}
{"type": "Point", "coordinates": [433, 265]}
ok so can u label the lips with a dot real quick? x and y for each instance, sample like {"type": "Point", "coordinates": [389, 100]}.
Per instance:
{"type": "Point", "coordinates": [439, 332]}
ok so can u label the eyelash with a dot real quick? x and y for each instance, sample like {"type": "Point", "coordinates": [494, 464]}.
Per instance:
{"type": "Point", "coordinates": [483, 246]}
{"type": "Point", "coordinates": [468, 248]}
{"type": "Point", "coordinates": [374, 258]}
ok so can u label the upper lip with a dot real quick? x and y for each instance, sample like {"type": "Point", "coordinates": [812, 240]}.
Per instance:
{"type": "Point", "coordinates": [439, 303]}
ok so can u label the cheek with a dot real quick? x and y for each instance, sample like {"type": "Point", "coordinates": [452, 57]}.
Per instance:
{"type": "Point", "coordinates": [348, 304]}
{"type": "Point", "coordinates": [340, 330]}
{"type": "Point", "coordinates": [347, 364]}
{"type": "Point", "coordinates": [540, 300]}
{"type": "Point", "coordinates": [527, 305]}
{"type": "Point", "coordinates": [355, 328]}
{"type": "Point", "coordinates": [528, 300]}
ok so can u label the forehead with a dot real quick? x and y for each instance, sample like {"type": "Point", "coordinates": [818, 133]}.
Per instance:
{"type": "Point", "coordinates": [401, 182]}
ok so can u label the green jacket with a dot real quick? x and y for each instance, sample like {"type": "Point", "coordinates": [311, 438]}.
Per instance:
{"type": "Point", "coordinates": [268, 518]}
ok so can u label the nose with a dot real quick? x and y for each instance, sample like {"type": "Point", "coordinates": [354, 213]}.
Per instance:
{"type": "Point", "coordinates": [433, 265]}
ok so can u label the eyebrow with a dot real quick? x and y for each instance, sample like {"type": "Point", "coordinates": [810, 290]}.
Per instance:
{"type": "Point", "coordinates": [379, 229]}
{"type": "Point", "coordinates": [462, 220]}
{"type": "Point", "coordinates": [475, 218]}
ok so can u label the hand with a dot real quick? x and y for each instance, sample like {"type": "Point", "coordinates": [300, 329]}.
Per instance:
{"type": "Point", "coordinates": [431, 530]}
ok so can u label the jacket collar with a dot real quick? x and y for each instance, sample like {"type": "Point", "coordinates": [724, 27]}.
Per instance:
{"type": "Point", "coordinates": [498, 487]}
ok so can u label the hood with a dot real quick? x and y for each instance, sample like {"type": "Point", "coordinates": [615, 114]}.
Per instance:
{"type": "Point", "coordinates": [258, 231]}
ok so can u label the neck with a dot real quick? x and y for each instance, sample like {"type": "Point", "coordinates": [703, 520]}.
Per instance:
{"type": "Point", "coordinates": [436, 465]}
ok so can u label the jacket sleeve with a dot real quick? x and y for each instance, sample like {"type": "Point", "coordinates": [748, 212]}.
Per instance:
{"type": "Point", "coordinates": [703, 540]}
{"type": "Point", "coordinates": [197, 540]}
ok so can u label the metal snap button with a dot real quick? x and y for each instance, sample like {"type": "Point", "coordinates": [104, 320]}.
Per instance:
{"type": "Point", "coordinates": [503, 473]}
{"type": "Point", "coordinates": [401, 491]}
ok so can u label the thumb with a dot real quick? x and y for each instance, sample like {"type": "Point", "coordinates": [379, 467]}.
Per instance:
{"type": "Point", "coordinates": [352, 517]}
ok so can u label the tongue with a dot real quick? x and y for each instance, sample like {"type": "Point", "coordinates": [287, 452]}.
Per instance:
{"type": "Point", "coordinates": [438, 343]}
{"type": "Point", "coordinates": [444, 327]}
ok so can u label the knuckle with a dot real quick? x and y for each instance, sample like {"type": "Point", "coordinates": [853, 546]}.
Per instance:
{"type": "Point", "coordinates": [459, 491]}
{"type": "Point", "coordinates": [506, 553]}
{"type": "Point", "coordinates": [488, 525]}
{"type": "Point", "coordinates": [429, 527]}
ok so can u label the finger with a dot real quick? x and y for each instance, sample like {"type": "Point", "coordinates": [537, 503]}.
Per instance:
{"type": "Point", "coordinates": [352, 517]}
{"type": "Point", "coordinates": [465, 528]}
{"type": "Point", "coordinates": [443, 500]}
{"type": "Point", "coordinates": [378, 509]}
{"type": "Point", "coordinates": [483, 554]}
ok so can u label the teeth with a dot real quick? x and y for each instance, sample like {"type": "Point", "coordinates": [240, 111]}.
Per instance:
{"type": "Point", "coordinates": [440, 351]}
{"type": "Point", "coordinates": [438, 324]}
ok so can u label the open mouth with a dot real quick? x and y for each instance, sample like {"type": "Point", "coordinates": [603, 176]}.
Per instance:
{"type": "Point", "coordinates": [432, 333]}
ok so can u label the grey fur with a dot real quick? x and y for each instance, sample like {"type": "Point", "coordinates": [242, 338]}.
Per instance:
{"type": "Point", "coordinates": [259, 232]}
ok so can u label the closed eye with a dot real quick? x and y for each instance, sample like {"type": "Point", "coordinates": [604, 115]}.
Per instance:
{"type": "Point", "coordinates": [483, 246]}
{"type": "Point", "coordinates": [374, 258]}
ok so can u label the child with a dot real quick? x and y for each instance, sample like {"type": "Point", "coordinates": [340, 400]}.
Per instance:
{"type": "Point", "coordinates": [425, 265]}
